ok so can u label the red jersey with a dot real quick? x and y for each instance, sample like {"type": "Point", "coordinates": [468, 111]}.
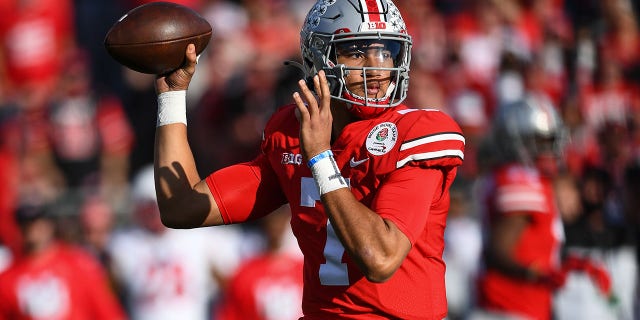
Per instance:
{"type": "Point", "coordinates": [266, 287]}
{"type": "Point", "coordinates": [34, 36]}
{"type": "Point", "coordinates": [516, 189]}
{"type": "Point", "coordinates": [9, 178]}
{"type": "Point", "coordinates": [63, 283]}
{"type": "Point", "coordinates": [390, 162]}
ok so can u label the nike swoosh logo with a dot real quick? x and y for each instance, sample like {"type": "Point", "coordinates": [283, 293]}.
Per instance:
{"type": "Point", "coordinates": [353, 163]}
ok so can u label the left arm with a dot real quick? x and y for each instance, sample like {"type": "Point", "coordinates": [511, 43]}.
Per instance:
{"type": "Point", "coordinates": [505, 233]}
{"type": "Point", "coordinates": [374, 243]}
{"type": "Point", "coordinates": [378, 238]}
{"type": "Point", "coordinates": [377, 245]}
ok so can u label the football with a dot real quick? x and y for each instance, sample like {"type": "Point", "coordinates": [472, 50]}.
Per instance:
{"type": "Point", "coordinates": [153, 37]}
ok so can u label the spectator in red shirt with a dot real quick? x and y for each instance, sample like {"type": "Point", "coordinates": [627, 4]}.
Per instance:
{"type": "Point", "coordinates": [35, 36]}
{"type": "Point", "coordinates": [54, 280]}
{"type": "Point", "coordinates": [90, 135]}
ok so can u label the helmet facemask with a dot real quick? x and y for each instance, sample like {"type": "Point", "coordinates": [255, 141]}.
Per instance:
{"type": "Point", "coordinates": [328, 58]}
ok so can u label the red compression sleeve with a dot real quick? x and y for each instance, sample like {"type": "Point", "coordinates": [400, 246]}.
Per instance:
{"type": "Point", "coordinates": [246, 191]}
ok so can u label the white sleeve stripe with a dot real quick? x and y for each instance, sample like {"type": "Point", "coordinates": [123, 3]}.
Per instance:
{"type": "Point", "coordinates": [531, 187]}
{"type": "Point", "coordinates": [431, 155]}
{"type": "Point", "coordinates": [405, 111]}
{"type": "Point", "coordinates": [522, 206]}
{"type": "Point", "coordinates": [431, 139]}
{"type": "Point", "coordinates": [521, 197]}
{"type": "Point", "coordinates": [520, 201]}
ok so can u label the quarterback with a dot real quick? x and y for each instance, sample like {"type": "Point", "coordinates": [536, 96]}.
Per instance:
{"type": "Point", "coordinates": [367, 178]}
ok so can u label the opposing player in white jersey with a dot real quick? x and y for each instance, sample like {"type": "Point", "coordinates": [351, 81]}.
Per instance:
{"type": "Point", "coordinates": [166, 273]}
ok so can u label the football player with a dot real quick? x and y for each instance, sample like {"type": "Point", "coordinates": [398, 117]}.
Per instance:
{"type": "Point", "coordinates": [163, 273]}
{"type": "Point", "coordinates": [367, 178]}
{"type": "Point", "coordinates": [523, 230]}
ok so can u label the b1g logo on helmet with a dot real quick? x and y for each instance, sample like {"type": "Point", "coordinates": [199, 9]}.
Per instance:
{"type": "Point", "coordinates": [382, 138]}
{"type": "Point", "coordinates": [373, 26]}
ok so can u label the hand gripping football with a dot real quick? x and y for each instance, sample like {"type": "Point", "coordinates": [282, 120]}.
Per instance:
{"type": "Point", "coordinates": [153, 37]}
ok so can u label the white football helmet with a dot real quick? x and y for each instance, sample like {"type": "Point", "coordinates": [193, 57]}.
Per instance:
{"type": "Point", "coordinates": [334, 24]}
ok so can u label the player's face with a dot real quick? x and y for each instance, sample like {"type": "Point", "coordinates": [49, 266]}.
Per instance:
{"type": "Point", "coordinates": [364, 60]}
{"type": "Point", "coordinates": [37, 233]}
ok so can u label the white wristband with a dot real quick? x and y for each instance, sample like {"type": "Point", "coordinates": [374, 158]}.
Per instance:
{"type": "Point", "coordinates": [327, 175]}
{"type": "Point", "coordinates": [172, 108]}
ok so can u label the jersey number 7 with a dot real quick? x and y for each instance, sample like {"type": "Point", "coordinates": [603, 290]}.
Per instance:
{"type": "Point", "coordinates": [333, 272]}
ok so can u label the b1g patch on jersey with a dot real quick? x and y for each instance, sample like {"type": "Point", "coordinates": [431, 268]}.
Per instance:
{"type": "Point", "coordinates": [290, 158]}
{"type": "Point", "coordinates": [382, 138]}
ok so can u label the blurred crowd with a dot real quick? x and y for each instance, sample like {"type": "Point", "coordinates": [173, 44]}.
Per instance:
{"type": "Point", "coordinates": [77, 132]}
